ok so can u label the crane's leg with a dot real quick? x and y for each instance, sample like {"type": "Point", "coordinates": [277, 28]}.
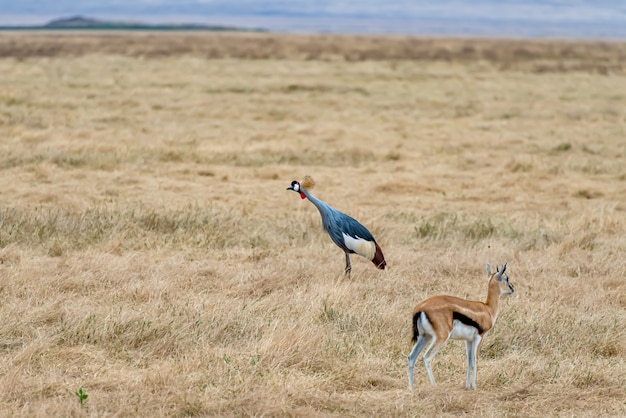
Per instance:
{"type": "Point", "coordinates": [348, 266]}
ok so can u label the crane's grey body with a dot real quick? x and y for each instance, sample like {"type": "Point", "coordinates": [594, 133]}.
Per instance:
{"type": "Point", "coordinates": [337, 224]}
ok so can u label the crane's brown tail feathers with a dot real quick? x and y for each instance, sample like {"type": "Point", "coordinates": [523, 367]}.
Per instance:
{"type": "Point", "coordinates": [379, 258]}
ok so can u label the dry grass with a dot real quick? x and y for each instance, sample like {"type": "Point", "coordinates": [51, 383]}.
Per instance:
{"type": "Point", "coordinates": [150, 254]}
{"type": "Point", "coordinates": [534, 56]}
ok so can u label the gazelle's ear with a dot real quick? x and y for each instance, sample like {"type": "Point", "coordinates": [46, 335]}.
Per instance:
{"type": "Point", "coordinates": [488, 268]}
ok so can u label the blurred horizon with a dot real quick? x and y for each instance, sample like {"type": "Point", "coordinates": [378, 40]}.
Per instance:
{"type": "Point", "coordinates": [585, 19]}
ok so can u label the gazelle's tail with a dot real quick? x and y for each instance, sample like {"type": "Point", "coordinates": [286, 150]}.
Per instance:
{"type": "Point", "coordinates": [416, 332]}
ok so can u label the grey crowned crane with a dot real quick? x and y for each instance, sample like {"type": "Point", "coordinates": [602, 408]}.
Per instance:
{"type": "Point", "coordinates": [345, 231]}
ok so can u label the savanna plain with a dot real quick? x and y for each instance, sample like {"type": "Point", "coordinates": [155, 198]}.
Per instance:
{"type": "Point", "coordinates": [153, 264]}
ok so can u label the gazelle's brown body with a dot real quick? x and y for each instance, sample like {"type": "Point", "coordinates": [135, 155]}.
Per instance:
{"type": "Point", "coordinates": [441, 317]}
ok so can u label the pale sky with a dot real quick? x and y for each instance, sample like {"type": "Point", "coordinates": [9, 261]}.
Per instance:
{"type": "Point", "coordinates": [611, 13]}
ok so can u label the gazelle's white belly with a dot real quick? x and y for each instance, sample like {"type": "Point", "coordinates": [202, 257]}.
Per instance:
{"type": "Point", "coordinates": [460, 331]}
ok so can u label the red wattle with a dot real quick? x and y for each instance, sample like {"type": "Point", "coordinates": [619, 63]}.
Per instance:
{"type": "Point", "coordinates": [302, 196]}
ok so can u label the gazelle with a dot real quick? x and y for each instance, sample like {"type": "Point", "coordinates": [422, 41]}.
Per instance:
{"type": "Point", "coordinates": [441, 317]}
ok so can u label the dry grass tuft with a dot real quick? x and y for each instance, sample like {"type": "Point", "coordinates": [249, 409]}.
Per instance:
{"type": "Point", "coordinates": [150, 254]}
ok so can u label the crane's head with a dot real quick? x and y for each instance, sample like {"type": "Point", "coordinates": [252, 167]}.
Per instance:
{"type": "Point", "coordinates": [307, 183]}
{"type": "Point", "coordinates": [295, 186]}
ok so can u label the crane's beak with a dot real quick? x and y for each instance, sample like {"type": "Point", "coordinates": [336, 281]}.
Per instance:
{"type": "Point", "coordinates": [302, 196]}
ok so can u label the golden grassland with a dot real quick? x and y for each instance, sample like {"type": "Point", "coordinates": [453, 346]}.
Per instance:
{"type": "Point", "coordinates": [150, 254]}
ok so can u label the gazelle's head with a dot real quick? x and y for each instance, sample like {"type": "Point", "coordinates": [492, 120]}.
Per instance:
{"type": "Point", "coordinates": [506, 288]}
{"type": "Point", "coordinates": [308, 183]}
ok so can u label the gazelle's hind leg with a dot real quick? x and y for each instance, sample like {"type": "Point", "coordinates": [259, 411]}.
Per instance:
{"type": "Point", "coordinates": [415, 352]}
{"type": "Point", "coordinates": [431, 352]}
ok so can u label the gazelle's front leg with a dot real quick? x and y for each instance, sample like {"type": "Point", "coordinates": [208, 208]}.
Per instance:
{"type": "Point", "coordinates": [472, 357]}
{"type": "Point", "coordinates": [469, 352]}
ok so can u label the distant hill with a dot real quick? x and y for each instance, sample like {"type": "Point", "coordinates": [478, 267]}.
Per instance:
{"type": "Point", "coordinates": [87, 23]}
{"type": "Point", "coordinates": [76, 22]}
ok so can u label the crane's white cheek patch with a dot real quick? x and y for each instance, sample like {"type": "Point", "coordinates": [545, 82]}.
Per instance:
{"type": "Point", "coordinates": [360, 246]}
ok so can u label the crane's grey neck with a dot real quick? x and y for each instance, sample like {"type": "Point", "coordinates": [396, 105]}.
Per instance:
{"type": "Point", "coordinates": [321, 206]}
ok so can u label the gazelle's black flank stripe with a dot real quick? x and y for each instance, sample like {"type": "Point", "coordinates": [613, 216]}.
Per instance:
{"type": "Point", "coordinates": [467, 321]}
